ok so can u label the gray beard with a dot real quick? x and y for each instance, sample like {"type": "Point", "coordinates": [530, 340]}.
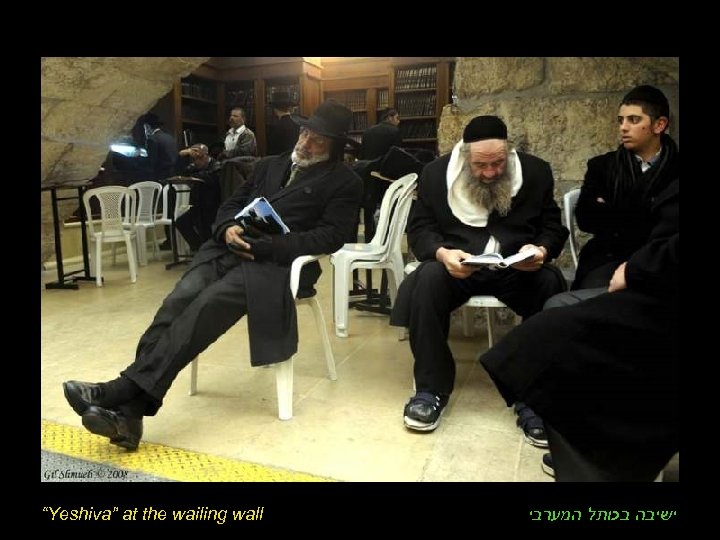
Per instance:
{"type": "Point", "coordinates": [494, 196]}
{"type": "Point", "coordinates": [303, 163]}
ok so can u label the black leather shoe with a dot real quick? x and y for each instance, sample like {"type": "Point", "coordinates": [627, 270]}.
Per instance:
{"type": "Point", "coordinates": [122, 430]}
{"type": "Point", "coordinates": [81, 395]}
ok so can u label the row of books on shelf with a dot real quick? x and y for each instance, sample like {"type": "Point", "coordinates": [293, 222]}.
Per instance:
{"type": "Point", "coordinates": [424, 129]}
{"type": "Point", "coordinates": [415, 77]}
{"type": "Point", "coordinates": [422, 104]}
{"type": "Point", "coordinates": [360, 121]}
{"type": "Point", "coordinates": [383, 99]}
{"type": "Point", "coordinates": [195, 90]}
{"type": "Point", "coordinates": [352, 100]}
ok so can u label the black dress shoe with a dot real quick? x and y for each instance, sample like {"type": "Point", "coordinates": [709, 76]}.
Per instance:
{"type": "Point", "coordinates": [122, 430]}
{"type": "Point", "coordinates": [81, 395]}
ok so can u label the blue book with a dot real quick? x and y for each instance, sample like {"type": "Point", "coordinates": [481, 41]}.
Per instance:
{"type": "Point", "coordinates": [260, 215]}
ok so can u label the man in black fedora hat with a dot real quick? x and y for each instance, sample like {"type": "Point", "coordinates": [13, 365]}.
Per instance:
{"type": "Point", "coordinates": [283, 132]}
{"type": "Point", "coordinates": [238, 272]}
{"type": "Point", "coordinates": [482, 197]}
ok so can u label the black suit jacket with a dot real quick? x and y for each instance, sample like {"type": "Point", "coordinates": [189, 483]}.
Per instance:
{"type": "Point", "coordinates": [378, 139]}
{"type": "Point", "coordinates": [618, 230]}
{"type": "Point", "coordinates": [283, 136]}
{"type": "Point", "coordinates": [534, 216]}
{"type": "Point", "coordinates": [320, 207]}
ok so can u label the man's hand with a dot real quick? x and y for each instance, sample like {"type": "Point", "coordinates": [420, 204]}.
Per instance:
{"type": "Point", "coordinates": [617, 281]}
{"type": "Point", "coordinates": [451, 258]}
{"type": "Point", "coordinates": [236, 243]}
{"type": "Point", "coordinates": [534, 264]}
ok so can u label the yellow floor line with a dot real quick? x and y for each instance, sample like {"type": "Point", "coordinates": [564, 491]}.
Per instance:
{"type": "Point", "coordinates": [162, 461]}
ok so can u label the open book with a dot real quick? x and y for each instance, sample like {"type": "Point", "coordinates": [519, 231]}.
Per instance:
{"type": "Point", "coordinates": [260, 214]}
{"type": "Point", "coordinates": [497, 260]}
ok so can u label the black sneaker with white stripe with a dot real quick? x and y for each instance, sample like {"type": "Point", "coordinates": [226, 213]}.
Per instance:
{"type": "Point", "coordinates": [532, 425]}
{"type": "Point", "coordinates": [547, 465]}
{"type": "Point", "coordinates": [423, 411]}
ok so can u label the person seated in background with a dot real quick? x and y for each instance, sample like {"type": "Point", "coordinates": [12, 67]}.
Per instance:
{"type": "Point", "coordinates": [239, 140]}
{"type": "Point", "coordinates": [604, 372]}
{"type": "Point", "coordinates": [195, 224]}
{"type": "Point", "coordinates": [483, 197]}
{"type": "Point", "coordinates": [284, 132]}
{"type": "Point", "coordinates": [235, 273]}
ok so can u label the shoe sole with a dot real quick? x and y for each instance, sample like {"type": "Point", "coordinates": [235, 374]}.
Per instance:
{"type": "Point", "coordinates": [78, 404]}
{"type": "Point", "coordinates": [538, 443]}
{"type": "Point", "coordinates": [99, 425]}
{"type": "Point", "coordinates": [417, 425]}
{"type": "Point", "coordinates": [548, 470]}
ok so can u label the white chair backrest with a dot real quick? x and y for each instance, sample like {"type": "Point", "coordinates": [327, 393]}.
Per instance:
{"type": "Point", "coordinates": [182, 200]}
{"type": "Point", "coordinates": [570, 200]}
{"type": "Point", "coordinates": [396, 191]}
{"type": "Point", "coordinates": [112, 210]}
{"type": "Point", "coordinates": [148, 200]}
{"type": "Point", "coordinates": [399, 217]}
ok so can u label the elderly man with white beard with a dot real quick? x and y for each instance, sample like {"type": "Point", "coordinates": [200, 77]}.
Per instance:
{"type": "Point", "coordinates": [483, 197]}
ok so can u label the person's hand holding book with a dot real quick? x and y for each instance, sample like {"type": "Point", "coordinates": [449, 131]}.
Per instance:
{"type": "Point", "coordinates": [236, 243]}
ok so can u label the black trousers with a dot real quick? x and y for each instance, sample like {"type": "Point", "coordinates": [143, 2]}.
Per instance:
{"type": "Point", "coordinates": [206, 302]}
{"type": "Point", "coordinates": [436, 294]}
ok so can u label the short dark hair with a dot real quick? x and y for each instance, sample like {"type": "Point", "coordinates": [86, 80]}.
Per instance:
{"type": "Point", "coordinates": [387, 113]}
{"type": "Point", "coordinates": [652, 101]}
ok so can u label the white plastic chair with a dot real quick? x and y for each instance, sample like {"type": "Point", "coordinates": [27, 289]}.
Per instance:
{"type": "Point", "coordinates": [182, 205]}
{"type": "Point", "coordinates": [148, 199]}
{"type": "Point", "coordinates": [488, 302]}
{"type": "Point", "coordinates": [570, 200]}
{"type": "Point", "coordinates": [382, 252]}
{"type": "Point", "coordinates": [284, 370]}
{"type": "Point", "coordinates": [113, 213]}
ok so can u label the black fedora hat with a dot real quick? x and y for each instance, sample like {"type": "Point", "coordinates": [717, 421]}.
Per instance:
{"type": "Point", "coordinates": [331, 119]}
{"type": "Point", "coordinates": [282, 100]}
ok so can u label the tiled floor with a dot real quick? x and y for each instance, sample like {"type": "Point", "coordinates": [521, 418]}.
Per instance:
{"type": "Point", "coordinates": [350, 429]}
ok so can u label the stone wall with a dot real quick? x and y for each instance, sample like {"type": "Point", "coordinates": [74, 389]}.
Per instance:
{"type": "Point", "coordinates": [85, 104]}
{"type": "Point", "coordinates": [560, 109]}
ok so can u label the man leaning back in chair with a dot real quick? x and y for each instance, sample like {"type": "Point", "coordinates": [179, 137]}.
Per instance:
{"type": "Point", "coordinates": [236, 273]}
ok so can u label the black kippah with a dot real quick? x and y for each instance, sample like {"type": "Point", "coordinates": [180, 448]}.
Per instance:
{"type": "Point", "coordinates": [651, 95]}
{"type": "Point", "coordinates": [484, 127]}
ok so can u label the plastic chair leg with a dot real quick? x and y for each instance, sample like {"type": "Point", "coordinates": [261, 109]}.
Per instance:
{"type": "Point", "coordinates": [98, 263]}
{"type": "Point", "coordinates": [284, 384]}
{"type": "Point", "coordinates": [489, 316]}
{"type": "Point", "coordinates": [320, 323]}
{"type": "Point", "coordinates": [132, 263]}
{"type": "Point", "coordinates": [341, 286]}
{"type": "Point", "coordinates": [141, 245]}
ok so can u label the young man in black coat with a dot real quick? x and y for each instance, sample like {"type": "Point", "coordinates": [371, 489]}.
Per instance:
{"type": "Point", "coordinates": [620, 186]}
{"type": "Point", "coordinates": [483, 197]}
{"type": "Point", "coordinates": [604, 373]}
{"type": "Point", "coordinates": [235, 273]}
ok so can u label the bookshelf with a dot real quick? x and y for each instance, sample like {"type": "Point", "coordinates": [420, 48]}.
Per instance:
{"type": "Point", "coordinates": [241, 94]}
{"type": "Point", "coordinates": [201, 114]}
{"type": "Point", "coordinates": [419, 93]}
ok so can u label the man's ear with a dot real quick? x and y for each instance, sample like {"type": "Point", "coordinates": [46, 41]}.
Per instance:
{"type": "Point", "coordinates": [660, 125]}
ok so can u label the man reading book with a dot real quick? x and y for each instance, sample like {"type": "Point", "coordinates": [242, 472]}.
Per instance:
{"type": "Point", "coordinates": [483, 197]}
{"type": "Point", "coordinates": [234, 274]}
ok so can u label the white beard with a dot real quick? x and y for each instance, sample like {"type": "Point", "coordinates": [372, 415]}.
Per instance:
{"type": "Point", "coordinates": [494, 196]}
{"type": "Point", "coordinates": [302, 163]}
